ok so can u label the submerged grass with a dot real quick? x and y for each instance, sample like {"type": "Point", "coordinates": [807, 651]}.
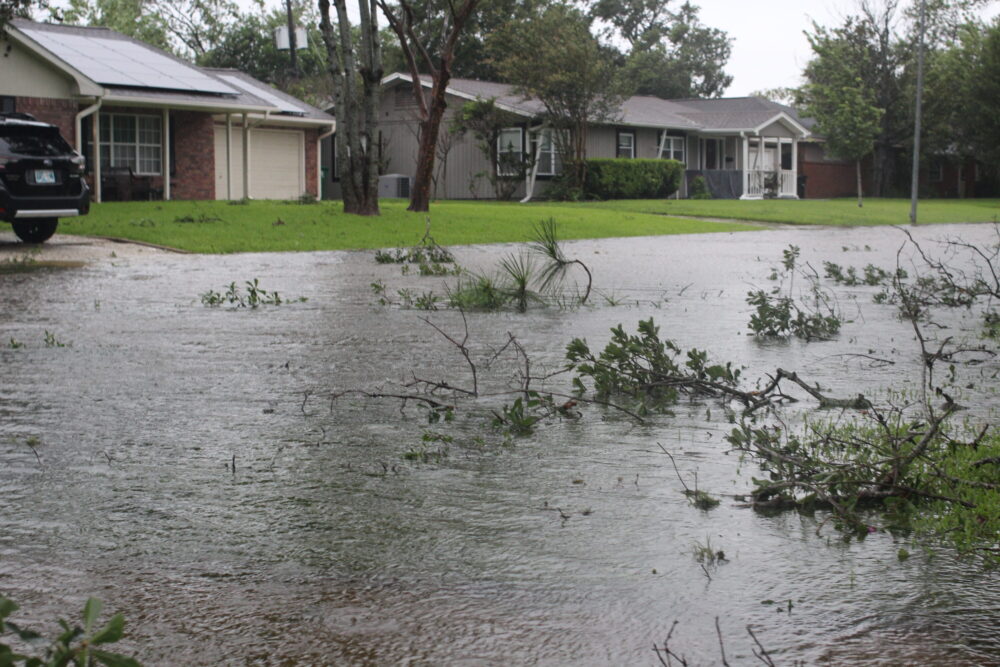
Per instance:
{"type": "Point", "coordinates": [262, 226]}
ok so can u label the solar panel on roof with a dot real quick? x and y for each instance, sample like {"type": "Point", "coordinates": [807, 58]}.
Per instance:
{"type": "Point", "coordinates": [119, 62]}
{"type": "Point", "coordinates": [264, 94]}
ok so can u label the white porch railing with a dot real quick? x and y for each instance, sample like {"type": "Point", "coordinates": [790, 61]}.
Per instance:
{"type": "Point", "coordinates": [761, 183]}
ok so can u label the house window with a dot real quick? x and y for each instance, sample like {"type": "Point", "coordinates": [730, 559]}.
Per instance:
{"type": "Point", "coordinates": [547, 153]}
{"type": "Point", "coordinates": [672, 147]}
{"type": "Point", "coordinates": [626, 145]}
{"type": "Point", "coordinates": [937, 171]}
{"type": "Point", "coordinates": [510, 151]}
{"type": "Point", "coordinates": [715, 151]}
{"type": "Point", "coordinates": [132, 141]}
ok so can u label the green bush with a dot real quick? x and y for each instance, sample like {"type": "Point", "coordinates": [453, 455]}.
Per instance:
{"type": "Point", "coordinates": [699, 188]}
{"type": "Point", "coordinates": [622, 178]}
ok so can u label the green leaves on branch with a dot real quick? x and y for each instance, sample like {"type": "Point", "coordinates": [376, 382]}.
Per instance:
{"type": "Point", "coordinates": [648, 369]}
{"type": "Point", "coordinates": [75, 645]}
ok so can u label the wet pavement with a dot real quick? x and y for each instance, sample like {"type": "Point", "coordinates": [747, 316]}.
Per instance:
{"type": "Point", "coordinates": [190, 466]}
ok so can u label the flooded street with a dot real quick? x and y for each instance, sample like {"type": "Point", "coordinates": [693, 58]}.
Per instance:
{"type": "Point", "coordinates": [189, 466]}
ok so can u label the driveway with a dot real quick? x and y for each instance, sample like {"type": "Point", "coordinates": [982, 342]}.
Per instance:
{"type": "Point", "coordinates": [65, 249]}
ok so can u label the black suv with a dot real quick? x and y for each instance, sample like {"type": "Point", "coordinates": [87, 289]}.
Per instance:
{"type": "Point", "coordinates": [41, 177]}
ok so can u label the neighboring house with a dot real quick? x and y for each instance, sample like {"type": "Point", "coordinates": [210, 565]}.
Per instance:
{"type": "Point", "coordinates": [219, 134]}
{"type": "Point", "coordinates": [739, 145]}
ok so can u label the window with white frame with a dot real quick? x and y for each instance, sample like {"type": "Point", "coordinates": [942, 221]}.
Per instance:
{"type": "Point", "coordinates": [510, 151]}
{"type": "Point", "coordinates": [672, 147]}
{"type": "Point", "coordinates": [135, 141]}
{"type": "Point", "coordinates": [626, 145]}
{"type": "Point", "coordinates": [547, 153]}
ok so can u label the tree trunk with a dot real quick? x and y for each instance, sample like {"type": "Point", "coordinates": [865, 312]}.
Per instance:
{"type": "Point", "coordinates": [420, 196]}
{"type": "Point", "coordinates": [356, 109]}
{"type": "Point", "coordinates": [858, 163]}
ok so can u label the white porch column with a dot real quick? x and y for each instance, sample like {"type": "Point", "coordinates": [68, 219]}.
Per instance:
{"type": "Point", "coordinates": [246, 157]}
{"type": "Point", "coordinates": [166, 155]}
{"type": "Point", "coordinates": [229, 156]}
{"type": "Point", "coordinates": [746, 166]}
{"type": "Point", "coordinates": [795, 164]}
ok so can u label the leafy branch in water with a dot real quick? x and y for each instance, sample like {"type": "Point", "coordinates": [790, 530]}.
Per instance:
{"type": "Point", "coordinates": [76, 645]}
{"type": "Point", "coordinates": [778, 313]}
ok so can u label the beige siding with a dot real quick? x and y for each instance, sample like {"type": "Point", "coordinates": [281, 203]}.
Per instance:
{"type": "Point", "coordinates": [776, 129]}
{"type": "Point", "coordinates": [25, 75]}
{"type": "Point", "coordinates": [277, 163]}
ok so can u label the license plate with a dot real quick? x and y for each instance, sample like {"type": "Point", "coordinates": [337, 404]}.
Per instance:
{"type": "Point", "coordinates": [45, 176]}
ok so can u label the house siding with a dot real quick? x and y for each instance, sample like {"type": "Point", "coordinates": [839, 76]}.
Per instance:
{"type": "Point", "coordinates": [24, 74]}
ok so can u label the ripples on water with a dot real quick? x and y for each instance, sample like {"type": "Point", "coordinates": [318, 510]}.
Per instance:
{"type": "Point", "coordinates": [325, 546]}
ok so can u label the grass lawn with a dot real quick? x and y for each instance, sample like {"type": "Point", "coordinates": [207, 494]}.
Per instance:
{"type": "Point", "coordinates": [817, 211]}
{"type": "Point", "coordinates": [220, 227]}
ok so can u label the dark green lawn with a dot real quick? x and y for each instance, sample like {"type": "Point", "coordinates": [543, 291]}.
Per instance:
{"type": "Point", "coordinates": [220, 227]}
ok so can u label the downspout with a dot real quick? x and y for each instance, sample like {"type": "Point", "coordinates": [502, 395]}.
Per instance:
{"type": "Point", "coordinates": [319, 159]}
{"type": "Point", "coordinates": [78, 130]}
{"type": "Point", "coordinates": [530, 185]}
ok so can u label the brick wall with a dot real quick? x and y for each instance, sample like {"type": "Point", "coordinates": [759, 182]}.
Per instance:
{"type": "Point", "coordinates": [312, 172]}
{"type": "Point", "coordinates": [194, 156]}
{"type": "Point", "coordinates": [59, 112]}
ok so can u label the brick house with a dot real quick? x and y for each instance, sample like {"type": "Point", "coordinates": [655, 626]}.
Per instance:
{"type": "Point", "coordinates": [219, 134]}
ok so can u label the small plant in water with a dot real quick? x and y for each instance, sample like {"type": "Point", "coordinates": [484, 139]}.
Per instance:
{"type": "Point", "coordinates": [253, 296]}
{"type": "Point", "coordinates": [15, 344]}
{"type": "Point", "coordinates": [51, 340]}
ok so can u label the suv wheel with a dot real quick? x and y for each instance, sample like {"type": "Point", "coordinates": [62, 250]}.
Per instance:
{"type": "Point", "coordinates": [35, 230]}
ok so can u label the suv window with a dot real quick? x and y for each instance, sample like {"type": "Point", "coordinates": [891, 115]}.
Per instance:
{"type": "Point", "coordinates": [33, 141]}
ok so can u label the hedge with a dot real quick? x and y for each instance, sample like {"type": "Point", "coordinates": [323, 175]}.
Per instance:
{"type": "Point", "coordinates": [623, 178]}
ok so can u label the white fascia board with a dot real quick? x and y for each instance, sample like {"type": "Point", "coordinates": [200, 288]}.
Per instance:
{"type": "Point", "coordinates": [399, 76]}
{"type": "Point", "coordinates": [272, 120]}
{"type": "Point", "coordinates": [187, 105]}
{"type": "Point", "coordinates": [87, 87]}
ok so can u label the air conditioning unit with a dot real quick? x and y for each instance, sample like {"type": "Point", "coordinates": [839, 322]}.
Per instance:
{"type": "Point", "coordinates": [394, 185]}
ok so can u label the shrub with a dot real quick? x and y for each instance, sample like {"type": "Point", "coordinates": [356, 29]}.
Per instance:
{"type": "Point", "coordinates": [699, 188]}
{"type": "Point", "coordinates": [621, 178]}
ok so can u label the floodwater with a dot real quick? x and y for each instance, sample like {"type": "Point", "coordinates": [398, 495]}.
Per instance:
{"type": "Point", "coordinates": [187, 465]}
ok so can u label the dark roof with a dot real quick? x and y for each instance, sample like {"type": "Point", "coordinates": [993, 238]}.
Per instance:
{"type": "Point", "coordinates": [733, 113]}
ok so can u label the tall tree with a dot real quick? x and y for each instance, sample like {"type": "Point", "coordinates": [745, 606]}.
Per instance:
{"type": "Point", "coordinates": [846, 118]}
{"type": "Point", "coordinates": [356, 71]}
{"type": "Point", "coordinates": [188, 28]}
{"type": "Point", "coordinates": [670, 52]}
{"type": "Point", "coordinates": [555, 59]}
{"type": "Point", "coordinates": [865, 52]}
{"type": "Point", "coordinates": [12, 9]}
{"type": "Point", "coordinates": [249, 47]}
{"type": "Point", "coordinates": [438, 65]}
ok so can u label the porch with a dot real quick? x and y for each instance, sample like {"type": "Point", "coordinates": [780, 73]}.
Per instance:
{"type": "Point", "coordinates": [741, 166]}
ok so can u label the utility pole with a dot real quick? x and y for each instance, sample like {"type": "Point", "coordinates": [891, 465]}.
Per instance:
{"type": "Point", "coordinates": [915, 183]}
{"type": "Point", "coordinates": [291, 39]}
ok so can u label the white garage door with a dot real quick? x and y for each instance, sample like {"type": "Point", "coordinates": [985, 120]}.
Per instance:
{"type": "Point", "coordinates": [277, 164]}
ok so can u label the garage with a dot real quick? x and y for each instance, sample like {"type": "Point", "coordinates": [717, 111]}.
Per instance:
{"type": "Point", "coordinates": [277, 164]}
